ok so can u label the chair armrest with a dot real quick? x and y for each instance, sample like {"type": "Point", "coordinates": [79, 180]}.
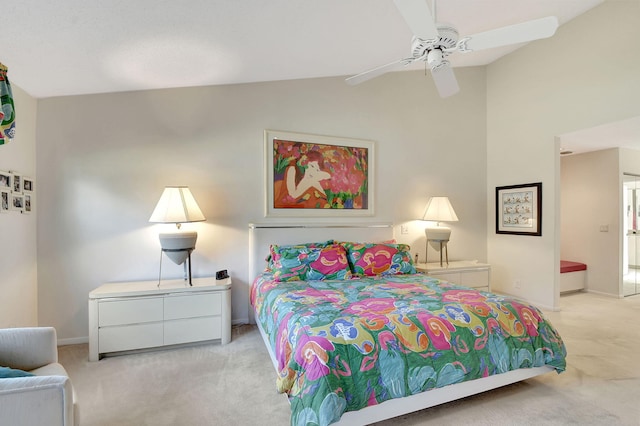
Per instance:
{"type": "Point", "coordinates": [36, 400]}
{"type": "Point", "coordinates": [28, 348]}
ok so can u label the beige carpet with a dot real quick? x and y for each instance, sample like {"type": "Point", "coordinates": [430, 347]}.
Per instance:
{"type": "Point", "coordinates": [235, 384]}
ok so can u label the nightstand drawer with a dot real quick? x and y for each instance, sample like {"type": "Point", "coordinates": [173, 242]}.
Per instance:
{"type": "Point", "coordinates": [117, 312]}
{"type": "Point", "coordinates": [468, 273]}
{"type": "Point", "coordinates": [191, 306]}
{"type": "Point", "coordinates": [128, 337]}
{"type": "Point", "coordinates": [452, 277]}
{"type": "Point", "coordinates": [192, 330]}
{"type": "Point", "coordinates": [475, 279]}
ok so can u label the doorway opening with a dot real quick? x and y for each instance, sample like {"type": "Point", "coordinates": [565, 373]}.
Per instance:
{"type": "Point", "coordinates": [631, 235]}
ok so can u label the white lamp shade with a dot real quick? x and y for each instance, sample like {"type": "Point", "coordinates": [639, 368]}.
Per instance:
{"type": "Point", "coordinates": [177, 205]}
{"type": "Point", "coordinates": [439, 209]}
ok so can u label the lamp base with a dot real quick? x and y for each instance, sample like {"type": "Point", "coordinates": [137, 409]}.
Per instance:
{"type": "Point", "coordinates": [442, 248]}
{"type": "Point", "coordinates": [178, 247]}
{"type": "Point", "coordinates": [187, 264]}
{"type": "Point", "coordinates": [437, 233]}
{"type": "Point", "coordinates": [438, 236]}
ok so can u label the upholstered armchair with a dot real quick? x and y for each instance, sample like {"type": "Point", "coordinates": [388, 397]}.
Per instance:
{"type": "Point", "coordinates": [47, 397]}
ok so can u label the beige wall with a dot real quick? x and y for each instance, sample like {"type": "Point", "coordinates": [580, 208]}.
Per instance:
{"type": "Point", "coordinates": [103, 161]}
{"type": "Point", "coordinates": [590, 197]}
{"type": "Point", "coordinates": [574, 80]}
{"type": "Point", "coordinates": [18, 282]}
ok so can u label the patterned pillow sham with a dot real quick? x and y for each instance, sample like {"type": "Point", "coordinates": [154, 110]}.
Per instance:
{"type": "Point", "coordinates": [291, 263]}
{"type": "Point", "coordinates": [272, 248]}
{"type": "Point", "coordinates": [371, 259]}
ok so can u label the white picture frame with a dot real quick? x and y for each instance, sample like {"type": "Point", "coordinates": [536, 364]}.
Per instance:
{"type": "Point", "coordinates": [16, 183]}
{"type": "Point", "coordinates": [5, 200]}
{"type": "Point", "coordinates": [28, 185]}
{"type": "Point", "coordinates": [5, 180]}
{"type": "Point", "coordinates": [340, 185]}
{"type": "Point", "coordinates": [28, 203]}
{"type": "Point", "coordinates": [17, 202]}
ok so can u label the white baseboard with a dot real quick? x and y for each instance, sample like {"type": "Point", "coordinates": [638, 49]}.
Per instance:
{"type": "Point", "coordinates": [73, 341]}
{"type": "Point", "coordinates": [238, 321]}
{"type": "Point", "coordinates": [601, 293]}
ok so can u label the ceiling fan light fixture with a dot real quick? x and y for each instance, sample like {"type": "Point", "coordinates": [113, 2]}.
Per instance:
{"type": "Point", "coordinates": [434, 58]}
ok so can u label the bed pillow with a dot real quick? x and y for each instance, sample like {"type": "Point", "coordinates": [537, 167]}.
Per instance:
{"type": "Point", "coordinates": [272, 248]}
{"type": "Point", "coordinates": [371, 259]}
{"type": "Point", "coordinates": [301, 263]}
{"type": "Point", "coordinates": [8, 373]}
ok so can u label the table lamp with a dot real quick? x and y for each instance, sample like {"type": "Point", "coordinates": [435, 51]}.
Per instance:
{"type": "Point", "coordinates": [177, 205]}
{"type": "Point", "coordinates": [438, 210]}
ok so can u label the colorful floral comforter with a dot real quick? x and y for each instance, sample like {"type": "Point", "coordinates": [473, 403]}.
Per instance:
{"type": "Point", "coordinates": [344, 345]}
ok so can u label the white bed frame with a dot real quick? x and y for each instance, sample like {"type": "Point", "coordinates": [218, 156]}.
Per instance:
{"type": "Point", "coordinates": [262, 235]}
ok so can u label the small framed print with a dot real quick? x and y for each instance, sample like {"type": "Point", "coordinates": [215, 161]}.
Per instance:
{"type": "Point", "coordinates": [5, 180]}
{"type": "Point", "coordinates": [17, 202]}
{"type": "Point", "coordinates": [519, 209]}
{"type": "Point", "coordinates": [16, 182]}
{"type": "Point", "coordinates": [28, 203]}
{"type": "Point", "coordinates": [5, 200]}
{"type": "Point", "coordinates": [28, 185]}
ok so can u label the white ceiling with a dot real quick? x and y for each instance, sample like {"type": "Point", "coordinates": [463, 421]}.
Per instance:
{"type": "Point", "coordinates": [621, 134]}
{"type": "Point", "coordinates": [74, 47]}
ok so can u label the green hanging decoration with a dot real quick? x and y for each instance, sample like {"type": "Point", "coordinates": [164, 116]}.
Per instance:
{"type": "Point", "coordinates": [7, 110]}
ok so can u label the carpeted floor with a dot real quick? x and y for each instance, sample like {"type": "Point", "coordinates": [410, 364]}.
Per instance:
{"type": "Point", "coordinates": [234, 384]}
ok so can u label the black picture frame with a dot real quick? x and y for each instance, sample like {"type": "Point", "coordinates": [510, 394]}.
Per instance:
{"type": "Point", "coordinates": [519, 209]}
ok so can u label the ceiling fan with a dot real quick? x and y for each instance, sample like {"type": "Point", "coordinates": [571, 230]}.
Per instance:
{"type": "Point", "coordinates": [433, 42]}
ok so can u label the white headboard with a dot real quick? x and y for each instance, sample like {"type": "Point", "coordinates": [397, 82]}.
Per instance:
{"type": "Point", "coordinates": [261, 235]}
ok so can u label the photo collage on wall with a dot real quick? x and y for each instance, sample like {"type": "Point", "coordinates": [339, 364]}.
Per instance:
{"type": "Point", "coordinates": [17, 193]}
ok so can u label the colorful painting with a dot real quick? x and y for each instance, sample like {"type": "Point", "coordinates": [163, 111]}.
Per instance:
{"type": "Point", "coordinates": [312, 175]}
{"type": "Point", "coordinates": [519, 209]}
{"type": "Point", "coordinates": [7, 109]}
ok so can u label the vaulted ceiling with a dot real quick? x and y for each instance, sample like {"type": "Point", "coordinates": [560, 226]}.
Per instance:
{"type": "Point", "coordinates": [72, 47]}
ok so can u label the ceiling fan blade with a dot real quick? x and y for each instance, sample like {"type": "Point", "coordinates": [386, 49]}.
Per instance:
{"type": "Point", "coordinates": [512, 34]}
{"type": "Point", "coordinates": [445, 80]}
{"type": "Point", "coordinates": [418, 17]}
{"type": "Point", "coordinates": [375, 72]}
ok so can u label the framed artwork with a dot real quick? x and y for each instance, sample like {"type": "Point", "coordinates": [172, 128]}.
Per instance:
{"type": "Point", "coordinates": [5, 180]}
{"type": "Point", "coordinates": [318, 176]}
{"type": "Point", "coordinates": [17, 202]}
{"type": "Point", "coordinates": [28, 185]}
{"type": "Point", "coordinates": [16, 182]}
{"type": "Point", "coordinates": [5, 200]}
{"type": "Point", "coordinates": [519, 209]}
{"type": "Point", "coordinates": [28, 203]}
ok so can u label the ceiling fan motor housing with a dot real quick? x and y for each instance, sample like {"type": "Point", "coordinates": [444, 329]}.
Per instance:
{"type": "Point", "coordinates": [447, 39]}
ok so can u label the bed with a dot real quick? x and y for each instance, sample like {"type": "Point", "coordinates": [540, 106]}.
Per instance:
{"type": "Point", "coordinates": [359, 349]}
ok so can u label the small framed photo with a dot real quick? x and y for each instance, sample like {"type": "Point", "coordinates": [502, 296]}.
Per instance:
{"type": "Point", "coordinates": [17, 202]}
{"type": "Point", "coordinates": [519, 209]}
{"type": "Point", "coordinates": [28, 203]}
{"type": "Point", "coordinates": [5, 180]}
{"type": "Point", "coordinates": [28, 185]}
{"type": "Point", "coordinates": [16, 182]}
{"type": "Point", "coordinates": [5, 200]}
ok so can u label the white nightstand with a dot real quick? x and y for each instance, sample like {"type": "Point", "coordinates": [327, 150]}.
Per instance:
{"type": "Point", "coordinates": [138, 314]}
{"type": "Point", "coordinates": [469, 273]}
